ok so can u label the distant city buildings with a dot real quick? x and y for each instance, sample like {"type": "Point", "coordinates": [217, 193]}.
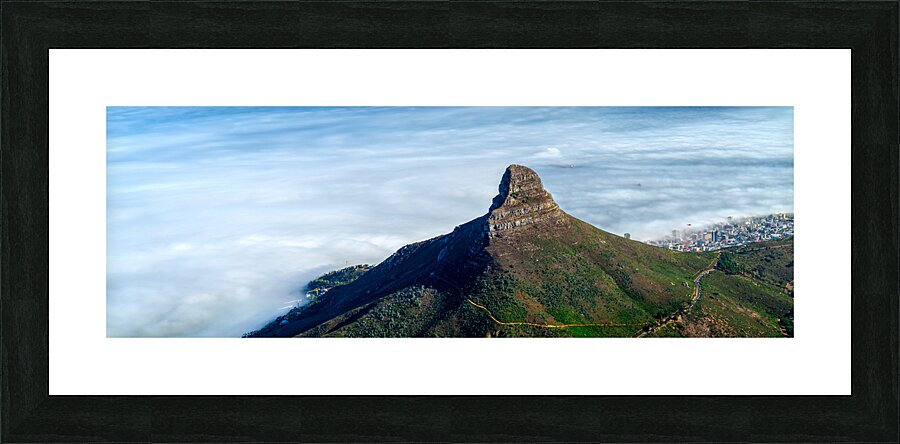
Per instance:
{"type": "Point", "coordinates": [734, 232]}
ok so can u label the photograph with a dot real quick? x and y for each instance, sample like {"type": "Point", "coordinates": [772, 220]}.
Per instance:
{"type": "Point", "coordinates": [450, 222]}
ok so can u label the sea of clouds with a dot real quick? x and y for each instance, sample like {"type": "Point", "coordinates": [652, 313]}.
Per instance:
{"type": "Point", "coordinates": [217, 217]}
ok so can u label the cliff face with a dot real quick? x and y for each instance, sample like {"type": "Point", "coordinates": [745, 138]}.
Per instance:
{"type": "Point", "coordinates": [522, 201]}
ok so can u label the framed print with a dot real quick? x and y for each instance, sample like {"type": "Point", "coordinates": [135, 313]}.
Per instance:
{"type": "Point", "coordinates": [496, 208]}
{"type": "Point", "coordinates": [430, 221]}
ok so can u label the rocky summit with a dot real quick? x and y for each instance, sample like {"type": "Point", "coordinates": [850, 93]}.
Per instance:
{"type": "Point", "coordinates": [528, 269]}
{"type": "Point", "coordinates": [522, 201]}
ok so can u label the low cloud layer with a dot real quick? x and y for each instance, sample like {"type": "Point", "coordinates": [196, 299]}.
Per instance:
{"type": "Point", "coordinates": [217, 217]}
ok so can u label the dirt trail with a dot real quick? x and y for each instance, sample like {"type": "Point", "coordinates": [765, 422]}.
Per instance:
{"type": "Point", "coordinates": [491, 315]}
{"type": "Point", "coordinates": [696, 297]}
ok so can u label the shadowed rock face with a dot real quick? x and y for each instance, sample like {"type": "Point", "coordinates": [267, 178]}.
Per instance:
{"type": "Point", "coordinates": [522, 201]}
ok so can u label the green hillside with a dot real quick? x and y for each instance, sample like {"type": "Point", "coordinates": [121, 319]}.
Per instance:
{"type": "Point", "coordinates": [749, 295]}
{"type": "Point", "coordinates": [770, 262]}
{"type": "Point", "coordinates": [578, 274]}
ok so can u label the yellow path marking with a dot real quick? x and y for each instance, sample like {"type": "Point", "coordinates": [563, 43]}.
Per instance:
{"type": "Point", "coordinates": [486, 310]}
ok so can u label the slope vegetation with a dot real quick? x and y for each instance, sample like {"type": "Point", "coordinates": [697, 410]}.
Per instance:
{"type": "Point", "coordinates": [749, 295]}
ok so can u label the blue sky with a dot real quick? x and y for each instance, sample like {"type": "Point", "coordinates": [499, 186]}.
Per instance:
{"type": "Point", "coordinates": [217, 217]}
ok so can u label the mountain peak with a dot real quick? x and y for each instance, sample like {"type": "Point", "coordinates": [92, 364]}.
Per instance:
{"type": "Point", "coordinates": [522, 200]}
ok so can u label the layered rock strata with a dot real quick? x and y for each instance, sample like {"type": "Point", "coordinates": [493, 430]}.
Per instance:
{"type": "Point", "coordinates": [522, 201]}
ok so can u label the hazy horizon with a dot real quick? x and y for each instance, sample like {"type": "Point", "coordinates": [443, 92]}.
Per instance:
{"type": "Point", "coordinates": [217, 217]}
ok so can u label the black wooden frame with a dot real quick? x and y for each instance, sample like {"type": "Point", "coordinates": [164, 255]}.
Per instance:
{"type": "Point", "coordinates": [29, 29]}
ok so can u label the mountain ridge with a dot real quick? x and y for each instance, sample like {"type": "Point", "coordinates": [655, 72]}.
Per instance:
{"type": "Point", "coordinates": [523, 264]}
